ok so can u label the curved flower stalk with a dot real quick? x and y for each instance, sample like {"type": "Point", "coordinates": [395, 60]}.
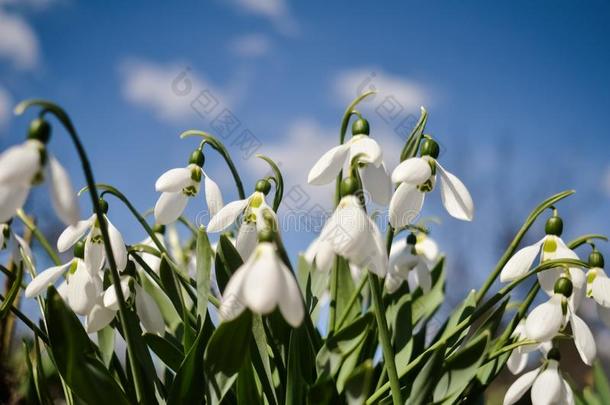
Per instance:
{"type": "Point", "coordinates": [29, 164]}
{"type": "Point", "coordinates": [598, 285]}
{"type": "Point", "coordinates": [407, 265]}
{"type": "Point", "coordinates": [180, 184]}
{"type": "Point", "coordinates": [373, 172]}
{"type": "Point", "coordinates": [549, 248]}
{"type": "Point", "coordinates": [95, 254]}
{"type": "Point", "coordinates": [251, 210]}
{"type": "Point", "coordinates": [263, 283]}
{"type": "Point", "coordinates": [546, 383]}
{"type": "Point", "coordinates": [416, 177]}
{"type": "Point", "coordinates": [548, 319]}
{"type": "Point", "coordinates": [350, 233]}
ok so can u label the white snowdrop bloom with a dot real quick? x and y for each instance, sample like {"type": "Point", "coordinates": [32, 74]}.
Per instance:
{"type": "Point", "coordinates": [95, 253]}
{"type": "Point", "coordinates": [151, 260]}
{"type": "Point", "coordinates": [598, 286]}
{"type": "Point", "coordinates": [517, 361]}
{"type": "Point", "coordinates": [547, 386]}
{"type": "Point", "coordinates": [180, 184]}
{"type": "Point", "coordinates": [428, 248]}
{"type": "Point", "coordinates": [405, 264]}
{"type": "Point", "coordinates": [552, 316]}
{"type": "Point", "coordinates": [261, 284]}
{"type": "Point", "coordinates": [373, 172]}
{"type": "Point", "coordinates": [28, 164]}
{"type": "Point", "coordinates": [320, 254]}
{"type": "Point", "coordinates": [416, 177]}
{"type": "Point", "coordinates": [146, 308]}
{"type": "Point", "coordinates": [551, 247]}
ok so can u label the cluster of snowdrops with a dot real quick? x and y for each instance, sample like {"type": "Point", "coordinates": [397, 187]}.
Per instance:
{"type": "Point", "coordinates": [234, 321]}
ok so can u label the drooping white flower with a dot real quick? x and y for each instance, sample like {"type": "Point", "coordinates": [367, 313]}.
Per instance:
{"type": "Point", "coordinates": [180, 184]}
{"type": "Point", "coordinates": [151, 260]}
{"type": "Point", "coordinates": [552, 316]}
{"type": "Point", "coordinates": [517, 361]}
{"type": "Point", "coordinates": [547, 386]}
{"type": "Point", "coordinates": [261, 284]}
{"type": "Point", "coordinates": [598, 286]}
{"type": "Point", "coordinates": [428, 248]}
{"type": "Point", "coordinates": [95, 253]}
{"type": "Point", "coordinates": [416, 177]}
{"type": "Point", "coordinates": [28, 164]}
{"type": "Point", "coordinates": [147, 309]}
{"type": "Point", "coordinates": [373, 172]}
{"type": "Point", "coordinates": [405, 265]}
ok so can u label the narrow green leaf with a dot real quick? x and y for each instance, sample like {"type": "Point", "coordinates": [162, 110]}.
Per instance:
{"type": "Point", "coordinates": [247, 389]}
{"type": "Point", "coordinates": [168, 352]}
{"type": "Point", "coordinates": [189, 384]}
{"type": "Point", "coordinates": [227, 261]}
{"type": "Point", "coordinates": [427, 378]}
{"type": "Point", "coordinates": [358, 384]}
{"type": "Point", "coordinates": [345, 291]}
{"type": "Point", "coordinates": [5, 307]}
{"type": "Point", "coordinates": [425, 305]}
{"type": "Point", "coordinates": [602, 382]}
{"type": "Point", "coordinates": [204, 267]}
{"type": "Point", "coordinates": [105, 342]}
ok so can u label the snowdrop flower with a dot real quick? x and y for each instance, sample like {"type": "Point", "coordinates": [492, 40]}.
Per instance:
{"type": "Point", "coordinates": [82, 287]}
{"type": "Point", "coordinates": [95, 253]}
{"type": "Point", "coordinates": [151, 260]}
{"type": "Point", "coordinates": [180, 184]}
{"type": "Point", "coordinates": [147, 309]}
{"type": "Point", "coordinates": [263, 283]}
{"type": "Point", "coordinates": [427, 248]}
{"type": "Point", "coordinates": [551, 247]}
{"type": "Point", "coordinates": [404, 264]}
{"type": "Point", "coordinates": [517, 361]}
{"type": "Point", "coordinates": [251, 209]}
{"type": "Point", "coordinates": [417, 176]}
{"type": "Point", "coordinates": [551, 317]}
{"type": "Point", "coordinates": [350, 233]}
{"type": "Point", "coordinates": [374, 175]}
{"type": "Point", "coordinates": [547, 385]}
{"type": "Point", "coordinates": [598, 285]}
{"type": "Point", "coordinates": [28, 164]}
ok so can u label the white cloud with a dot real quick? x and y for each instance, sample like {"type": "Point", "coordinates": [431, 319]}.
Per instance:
{"type": "Point", "coordinates": [6, 104]}
{"type": "Point", "coordinates": [166, 89]}
{"type": "Point", "coordinates": [18, 42]}
{"type": "Point", "coordinates": [276, 11]}
{"type": "Point", "coordinates": [250, 45]}
{"type": "Point", "coordinates": [409, 94]}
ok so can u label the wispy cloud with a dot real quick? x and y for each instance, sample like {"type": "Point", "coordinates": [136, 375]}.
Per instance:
{"type": "Point", "coordinates": [6, 103]}
{"type": "Point", "coordinates": [18, 42]}
{"type": "Point", "coordinates": [276, 11]}
{"type": "Point", "coordinates": [166, 89]}
{"type": "Point", "coordinates": [250, 45]}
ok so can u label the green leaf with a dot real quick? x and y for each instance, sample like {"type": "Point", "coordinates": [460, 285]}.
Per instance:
{"type": "Point", "coordinates": [462, 312]}
{"type": "Point", "coordinates": [313, 283]}
{"type": "Point", "coordinates": [204, 267]}
{"type": "Point", "coordinates": [168, 282]}
{"type": "Point", "coordinates": [399, 317]}
{"type": "Point", "coordinates": [460, 369]}
{"type": "Point", "coordinates": [358, 384]}
{"type": "Point", "coordinates": [247, 390]}
{"type": "Point", "coordinates": [425, 305]}
{"type": "Point", "coordinates": [168, 352]}
{"type": "Point", "coordinates": [410, 148]}
{"type": "Point", "coordinates": [5, 307]}
{"type": "Point", "coordinates": [345, 291]}
{"type": "Point", "coordinates": [189, 384]}
{"type": "Point", "coordinates": [227, 261]}
{"type": "Point", "coordinates": [300, 367]}
{"type": "Point", "coordinates": [105, 342]}
{"type": "Point", "coordinates": [601, 381]}
{"type": "Point", "coordinates": [279, 181]}
{"type": "Point", "coordinates": [322, 392]}
{"type": "Point", "coordinates": [168, 310]}
{"type": "Point", "coordinates": [261, 358]}
{"type": "Point", "coordinates": [427, 378]}
{"type": "Point", "coordinates": [76, 357]}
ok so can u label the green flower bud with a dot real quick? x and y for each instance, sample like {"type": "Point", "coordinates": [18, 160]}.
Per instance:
{"type": "Point", "coordinates": [554, 354]}
{"type": "Point", "coordinates": [349, 186]}
{"type": "Point", "coordinates": [103, 205]}
{"type": "Point", "coordinates": [79, 249]}
{"type": "Point", "coordinates": [563, 286]}
{"type": "Point", "coordinates": [197, 158]}
{"type": "Point", "coordinates": [430, 148]}
{"type": "Point", "coordinates": [263, 186]}
{"type": "Point", "coordinates": [411, 239]}
{"type": "Point", "coordinates": [159, 229]}
{"type": "Point", "coordinates": [40, 130]}
{"type": "Point", "coordinates": [266, 235]}
{"type": "Point", "coordinates": [360, 127]}
{"type": "Point", "coordinates": [596, 259]}
{"type": "Point", "coordinates": [554, 226]}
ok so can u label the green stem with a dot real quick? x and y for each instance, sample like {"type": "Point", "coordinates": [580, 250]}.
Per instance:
{"type": "Point", "coordinates": [278, 179]}
{"type": "Point", "coordinates": [129, 338]}
{"type": "Point", "coordinates": [334, 285]}
{"type": "Point", "coordinates": [39, 236]}
{"type": "Point", "coordinates": [384, 339]}
{"type": "Point", "coordinates": [219, 147]}
{"type": "Point", "coordinates": [352, 300]}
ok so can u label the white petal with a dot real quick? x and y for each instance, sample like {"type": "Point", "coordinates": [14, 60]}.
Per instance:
{"type": "Point", "coordinates": [520, 262]}
{"type": "Point", "coordinates": [520, 387]}
{"type": "Point", "coordinates": [548, 387]}
{"type": "Point", "coordinates": [545, 320]}
{"type": "Point", "coordinates": [413, 171]}
{"type": "Point", "coordinates": [174, 180]}
{"type": "Point", "coordinates": [423, 277]}
{"type": "Point", "coordinates": [517, 362]}
{"type": "Point", "coordinates": [73, 233]}
{"type": "Point", "coordinates": [213, 196]}
{"type": "Point", "coordinates": [428, 248]}
{"type": "Point", "coordinates": [600, 289]}
{"type": "Point", "coordinates": [98, 318]}
{"type": "Point", "coordinates": [405, 205]}
{"type": "Point", "coordinates": [291, 301]}
{"type": "Point", "coordinates": [118, 246]}
{"type": "Point", "coordinates": [264, 280]}
{"type": "Point", "coordinates": [367, 147]}
{"type": "Point", "coordinates": [11, 199]}
{"type": "Point", "coordinates": [44, 279]}
{"type": "Point", "coordinates": [24, 249]}
{"type": "Point", "coordinates": [579, 284]}
{"type": "Point", "coordinates": [324, 256]}
{"type": "Point", "coordinates": [392, 282]}
{"type": "Point", "coordinates": [328, 166]}
{"type": "Point", "coordinates": [19, 164]}
{"type": "Point", "coordinates": [346, 230]}
{"type": "Point", "coordinates": [583, 339]}
{"type": "Point", "coordinates": [110, 299]}
{"type": "Point", "coordinates": [376, 181]}
{"type": "Point", "coordinates": [83, 291]}
{"type": "Point", "coordinates": [63, 196]}
{"type": "Point", "coordinates": [94, 253]}
{"type": "Point", "coordinates": [377, 261]}
{"type": "Point", "coordinates": [148, 312]}
{"type": "Point", "coordinates": [233, 302]}
{"type": "Point", "coordinates": [227, 215]}
{"type": "Point", "coordinates": [455, 196]}
{"type": "Point", "coordinates": [568, 395]}
{"type": "Point", "coordinates": [169, 207]}
{"type": "Point", "coordinates": [247, 239]}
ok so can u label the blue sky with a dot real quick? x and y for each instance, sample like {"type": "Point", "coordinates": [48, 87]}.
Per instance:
{"type": "Point", "coordinates": [518, 94]}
